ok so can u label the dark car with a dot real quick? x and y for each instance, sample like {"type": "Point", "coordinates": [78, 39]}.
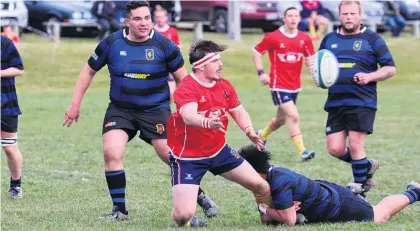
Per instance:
{"type": "Point", "coordinates": [254, 14]}
{"type": "Point", "coordinates": [75, 17]}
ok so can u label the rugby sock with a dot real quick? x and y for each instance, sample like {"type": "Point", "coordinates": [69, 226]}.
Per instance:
{"type": "Point", "coordinates": [116, 184]}
{"type": "Point", "coordinates": [360, 170]}
{"type": "Point", "coordinates": [15, 183]}
{"type": "Point", "coordinates": [346, 157]}
{"type": "Point", "coordinates": [298, 140]}
{"type": "Point", "coordinates": [413, 195]}
{"type": "Point", "coordinates": [271, 127]}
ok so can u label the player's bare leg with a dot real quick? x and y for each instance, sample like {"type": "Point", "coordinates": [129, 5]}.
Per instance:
{"type": "Point", "coordinates": [206, 203]}
{"type": "Point", "coordinates": [114, 146]}
{"type": "Point", "coordinates": [336, 146]}
{"type": "Point", "coordinates": [14, 161]}
{"type": "Point", "coordinates": [359, 163]}
{"type": "Point", "coordinates": [293, 123]}
{"type": "Point", "coordinates": [183, 196]}
{"type": "Point", "coordinates": [246, 176]}
{"type": "Point", "coordinates": [392, 205]}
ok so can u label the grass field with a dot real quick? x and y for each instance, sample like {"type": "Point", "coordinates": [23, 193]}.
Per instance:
{"type": "Point", "coordinates": [63, 179]}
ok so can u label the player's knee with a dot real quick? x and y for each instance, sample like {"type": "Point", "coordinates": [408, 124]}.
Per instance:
{"type": "Point", "coordinates": [181, 216]}
{"type": "Point", "coordinates": [10, 146]}
{"type": "Point", "coordinates": [382, 217]}
{"type": "Point", "coordinates": [260, 188]}
{"type": "Point", "coordinates": [112, 154]}
{"type": "Point", "coordinates": [336, 150]}
{"type": "Point", "coordinates": [293, 118]}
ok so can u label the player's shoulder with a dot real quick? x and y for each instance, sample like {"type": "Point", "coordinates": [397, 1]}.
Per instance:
{"type": "Point", "coordinates": [110, 39]}
{"type": "Point", "coordinates": [5, 42]}
{"type": "Point", "coordinates": [173, 29]}
{"type": "Point", "coordinates": [371, 35]}
{"type": "Point", "coordinates": [226, 83]}
{"type": "Point", "coordinates": [187, 82]}
{"type": "Point", "coordinates": [303, 35]}
{"type": "Point", "coordinates": [273, 34]}
{"type": "Point", "coordinates": [162, 40]}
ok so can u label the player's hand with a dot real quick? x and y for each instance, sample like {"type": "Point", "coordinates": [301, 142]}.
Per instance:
{"type": "Point", "coordinates": [71, 114]}
{"type": "Point", "coordinates": [297, 204]}
{"type": "Point", "coordinates": [215, 123]}
{"type": "Point", "coordinates": [362, 78]}
{"type": "Point", "coordinates": [255, 139]}
{"type": "Point", "coordinates": [264, 79]}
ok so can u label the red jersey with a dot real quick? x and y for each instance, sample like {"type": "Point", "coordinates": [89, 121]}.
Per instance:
{"type": "Point", "coordinates": [169, 32]}
{"type": "Point", "coordinates": [213, 99]}
{"type": "Point", "coordinates": [286, 57]}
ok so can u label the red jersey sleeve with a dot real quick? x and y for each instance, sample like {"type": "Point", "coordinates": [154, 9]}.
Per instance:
{"type": "Point", "coordinates": [232, 97]}
{"type": "Point", "coordinates": [176, 37]}
{"type": "Point", "coordinates": [309, 47]}
{"type": "Point", "coordinates": [263, 46]}
{"type": "Point", "coordinates": [184, 94]}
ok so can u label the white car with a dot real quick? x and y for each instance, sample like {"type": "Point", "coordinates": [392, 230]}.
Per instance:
{"type": "Point", "coordinates": [13, 12]}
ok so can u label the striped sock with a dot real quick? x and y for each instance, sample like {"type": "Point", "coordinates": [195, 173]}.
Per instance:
{"type": "Point", "coordinates": [346, 157]}
{"type": "Point", "coordinates": [116, 184]}
{"type": "Point", "coordinates": [413, 195]}
{"type": "Point", "coordinates": [360, 170]}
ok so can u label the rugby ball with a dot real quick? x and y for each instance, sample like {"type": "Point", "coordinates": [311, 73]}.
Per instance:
{"type": "Point", "coordinates": [325, 69]}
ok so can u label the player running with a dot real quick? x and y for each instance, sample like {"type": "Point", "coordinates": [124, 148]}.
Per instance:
{"type": "Point", "coordinates": [196, 134]}
{"type": "Point", "coordinates": [286, 47]}
{"type": "Point", "coordinates": [319, 201]}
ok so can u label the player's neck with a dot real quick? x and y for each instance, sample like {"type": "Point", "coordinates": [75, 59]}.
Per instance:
{"type": "Point", "coordinates": [290, 31]}
{"type": "Point", "coordinates": [163, 27]}
{"type": "Point", "coordinates": [202, 80]}
{"type": "Point", "coordinates": [344, 32]}
{"type": "Point", "coordinates": [137, 40]}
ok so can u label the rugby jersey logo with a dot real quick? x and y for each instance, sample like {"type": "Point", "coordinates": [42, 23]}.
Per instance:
{"type": "Point", "coordinates": [150, 54]}
{"type": "Point", "coordinates": [357, 45]}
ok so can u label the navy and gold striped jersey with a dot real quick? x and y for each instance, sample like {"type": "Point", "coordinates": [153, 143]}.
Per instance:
{"type": "Point", "coordinates": [355, 53]}
{"type": "Point", "coordinates": [138, 70]}
{"type": "Point", "coordinates": [9, 58]}
{"type": "Point", "coordinates": [319, 201]}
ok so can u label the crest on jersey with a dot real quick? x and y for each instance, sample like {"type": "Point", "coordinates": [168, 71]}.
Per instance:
{"type": "Point", "coordinates": [150, 54]}
{"type": "Point", "coordinates": [357, 45]}
{"type": "Point", "coordinates": [302, 43]}
{"type": "Point", "coordinates": [160, 128]}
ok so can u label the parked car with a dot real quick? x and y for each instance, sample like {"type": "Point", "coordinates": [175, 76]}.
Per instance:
{"type": "Point", "coordinates": [14, 12]}
{"type": "Point", "coordinates": [254, 14]}
{"type": "Point", "coordinates": [76, 15]}
{"type": "Point", "coordinates": [372, 11]}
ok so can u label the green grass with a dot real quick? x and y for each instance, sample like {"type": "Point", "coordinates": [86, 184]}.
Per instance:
{"type": "Point", "coordinates": [63, 179]}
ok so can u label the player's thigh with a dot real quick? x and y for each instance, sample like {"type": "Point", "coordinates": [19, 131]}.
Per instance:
{"type": "Point", "coordinates": [9, 128]}
{"type": "Point", "coordinates": [161, 148]}
{"type": "Point", "coordinates": [188, 171]}
{"type": "Point", "coordinates": [352, 207]}
{"type": "Point", "coordinates": [230, 165]}
{"type": "Point", "coordinates": [360, 119]}
{"type": "Point", "coordinates": [289, 109]}
{"type": "Point", "coordinates": [184, 198]}
{"type": "Point", "coordinates": [152, 125]}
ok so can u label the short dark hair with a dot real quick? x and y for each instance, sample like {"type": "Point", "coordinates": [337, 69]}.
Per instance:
{"type": "Point", "coordinates": [132, 5]}
{"type": "Point", "coordinates": [288, 9]}
{"type": "Point", "coordinates": [259, 160]}
{"type": "Point", "coordinates": [201, 48]}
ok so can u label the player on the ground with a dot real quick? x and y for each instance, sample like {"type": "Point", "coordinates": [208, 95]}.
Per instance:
{"type": "Point", "coordinates": [287, 47]}
{"type": "Point", "coordinates": [139, 61]}
{"type": "Point", "coordinates": [162, 26]}
{"type": "Point", "coordinates": [11, 67]}
{"type": "Point", "coordinates": [197, 134]}
{"type": "Point", "coordinates": [319, 201]}
{"type": "Point", "coordinates": [352, 101]}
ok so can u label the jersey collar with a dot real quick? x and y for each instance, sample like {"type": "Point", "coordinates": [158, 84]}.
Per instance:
{"type": "Point", "coordinates": [363, 28]}
{"type": "Point", "coordinates": [126, 32]}
{"type": "Point", "coordinates": [283, 31]}
{"type": "Point", "coordinates": [161, 29]}
{"type": "Point", "coordinates": [207, 85]}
